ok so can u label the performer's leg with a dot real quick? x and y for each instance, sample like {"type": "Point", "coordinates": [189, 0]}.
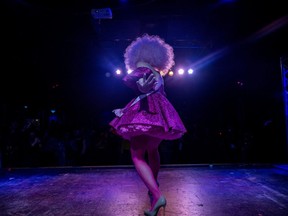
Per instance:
{"type": "Point", "coordinates": [138, 148]}
{"type": "Point", "coordinates": [154, 156]}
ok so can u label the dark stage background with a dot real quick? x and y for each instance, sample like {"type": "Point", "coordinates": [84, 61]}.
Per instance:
{"type": "Point", "coordinates": [58, 85]}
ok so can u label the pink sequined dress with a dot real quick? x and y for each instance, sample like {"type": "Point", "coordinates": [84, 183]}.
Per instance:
{"type": "Point", "coordinates": [154, 115]}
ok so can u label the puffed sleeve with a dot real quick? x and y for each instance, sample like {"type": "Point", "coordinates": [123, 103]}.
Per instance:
{"type": "Point", "coordinates": [131, 79]}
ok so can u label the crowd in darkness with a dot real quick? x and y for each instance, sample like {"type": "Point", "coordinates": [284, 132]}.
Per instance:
{"type": "Point", "coordinates": [29, 142]}
{"type": "Point", "coordinates": [36, 142]}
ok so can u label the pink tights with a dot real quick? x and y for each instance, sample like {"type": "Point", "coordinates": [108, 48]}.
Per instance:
{"type": "Point", "coordinates": [148, 172]}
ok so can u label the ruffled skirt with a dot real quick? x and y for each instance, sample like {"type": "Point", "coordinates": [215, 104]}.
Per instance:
{"type": "Point", "coordinates": [154, 116]}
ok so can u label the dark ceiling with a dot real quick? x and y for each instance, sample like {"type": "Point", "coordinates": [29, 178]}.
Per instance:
{"type": "Point", "coordinates": [50, 45]}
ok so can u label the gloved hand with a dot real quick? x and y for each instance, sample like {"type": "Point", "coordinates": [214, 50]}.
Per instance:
{"type": "Point", "coordinates": [145, 85]}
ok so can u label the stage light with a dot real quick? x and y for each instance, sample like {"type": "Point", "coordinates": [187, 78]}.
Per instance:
{"type": "Point", "coordinates": [170, 73]}
{"type": "Point", "coordinates": [181, 71]}
{"type": "Point", "coordinates": [190, 71]}
{"type": "Point", "coordinates": [129, 71]}
{"type": "Point", "coordinates": [52, 111]}
{"type": "Point", "coordinates": [118, 71]}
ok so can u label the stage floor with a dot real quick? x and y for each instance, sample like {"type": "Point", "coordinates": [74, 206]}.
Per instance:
{"type": "Point", "coordinates": [191, 190]}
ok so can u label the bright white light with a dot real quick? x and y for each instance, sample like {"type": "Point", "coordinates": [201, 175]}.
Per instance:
{"type": "Point", "coordinates": [118, 71]}
{"type": "Point", "coordinates": [129, 71]}
{"type": "Point", "coordinates": [181, 71]}
{"type": "Point", "coordinates": [190, 71]}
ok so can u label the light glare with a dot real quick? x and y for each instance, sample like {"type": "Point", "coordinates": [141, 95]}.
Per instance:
{"type": "Point", "coordinates": [180, 71]}
{"type": "Point", "coordinates": [190, 71]}
{"type": "Point", "coordinates": [118, 71]}
{"type": "Point", "coordinates": [170, 73]}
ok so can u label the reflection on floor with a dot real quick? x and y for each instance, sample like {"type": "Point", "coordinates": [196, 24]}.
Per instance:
{"type": "Point", "coordinates": [191, 190]}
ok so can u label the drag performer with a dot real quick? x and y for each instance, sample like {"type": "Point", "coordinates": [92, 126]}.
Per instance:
{"type": "Point", "coordinates": [149, 118]}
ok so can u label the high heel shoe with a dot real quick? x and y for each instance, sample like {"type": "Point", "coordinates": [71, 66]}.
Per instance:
{"type": "Point", "coordinates": [161, 202]}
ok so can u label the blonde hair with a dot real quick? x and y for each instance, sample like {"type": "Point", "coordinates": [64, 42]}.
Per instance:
{"type": "Point", "coordinates": [152, 50]}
